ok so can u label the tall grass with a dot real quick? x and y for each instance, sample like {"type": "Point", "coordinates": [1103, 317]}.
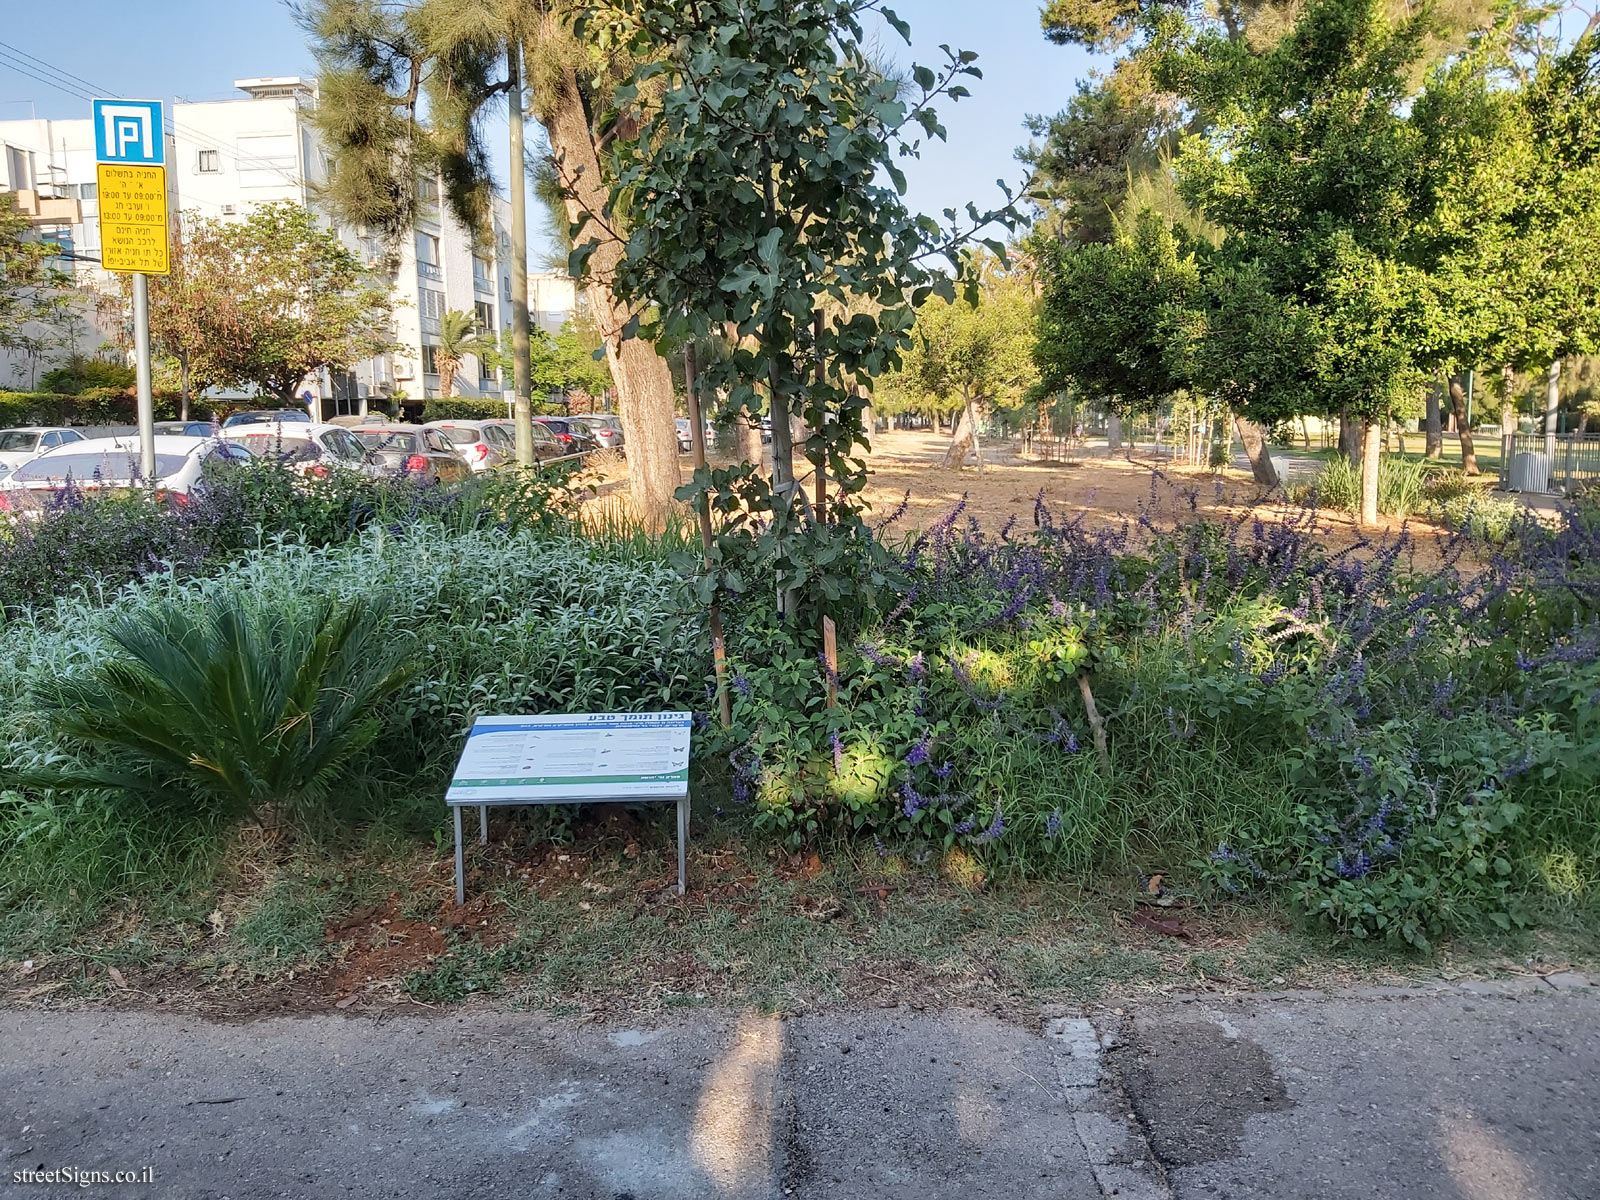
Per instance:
{"type": "Point", "coordinates": [1402, 486]}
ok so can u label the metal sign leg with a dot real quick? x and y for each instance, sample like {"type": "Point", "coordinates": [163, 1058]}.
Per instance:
{"type": "Point", "coordinates": [461, 872]}
{"type": "Point", "coordinates": [683, 843]}
{"type": "Point", "coordinates": [483, 824]}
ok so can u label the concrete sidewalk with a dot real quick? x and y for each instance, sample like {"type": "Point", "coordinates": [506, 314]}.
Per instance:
{"type": "Point", "coordinates": [1454, 1095]}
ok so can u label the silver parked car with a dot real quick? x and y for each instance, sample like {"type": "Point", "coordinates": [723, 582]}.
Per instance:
{"type": "Point", "coordinates": [310, 449]}
{"type": "Point", "coordinates": [109, 465]}
{"type": "Point", "coordinates": [17, 446]}
{"type": "Point", "coordinates": [414, 450]}
{"type": "Point", "coordinates": [483, 444]}
{"type": "Point", "coordinates": [606, 428]}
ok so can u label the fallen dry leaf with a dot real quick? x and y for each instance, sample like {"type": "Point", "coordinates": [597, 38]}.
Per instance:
{"type": "Point", "coordinates": [1153, 888]}
{"type": "Point", "coordinates": [345, 1003]}
{"type": "Point", "coordinates": [116, 978]}
{"type": "Point", "coordinates": [215, 921]}
{"type": "Point", "coordinates": [1169, 928]}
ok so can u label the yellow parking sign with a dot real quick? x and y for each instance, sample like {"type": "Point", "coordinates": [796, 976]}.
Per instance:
{"type": "Point", "coordinates": [134, 232]}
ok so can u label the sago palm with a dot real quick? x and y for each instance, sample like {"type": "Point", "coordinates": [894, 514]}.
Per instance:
{"type": "Point", "coordinates": [237, 709]}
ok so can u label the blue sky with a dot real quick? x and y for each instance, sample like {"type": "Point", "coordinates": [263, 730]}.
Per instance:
{"type": "Point", "coordinates": [194, 49]}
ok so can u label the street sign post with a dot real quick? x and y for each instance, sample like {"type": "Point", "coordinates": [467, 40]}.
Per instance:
{"type": "Point", "coordinates": [130, 149]}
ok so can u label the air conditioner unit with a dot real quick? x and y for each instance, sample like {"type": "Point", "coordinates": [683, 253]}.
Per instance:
{"type": "Point", "coordinates": [402, 370]}
{"type": "Point", "coordinates": [228, 210]}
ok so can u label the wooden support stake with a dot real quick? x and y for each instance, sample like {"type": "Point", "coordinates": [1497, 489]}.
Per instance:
{"type": "Point", "coordinates": [822, 411]}
{"type": "Point", "coordinates": [697, 438]}
{"type": "Point", "coordinates": [830, 653]}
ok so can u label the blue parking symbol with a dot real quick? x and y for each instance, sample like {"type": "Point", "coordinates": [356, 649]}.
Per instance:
{"type": "Point", "coordinates": [129, 131]}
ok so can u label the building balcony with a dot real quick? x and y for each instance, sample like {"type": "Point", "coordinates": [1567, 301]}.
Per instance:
{"type": "Point", "coordinates": [49, 210]}
{"type": "Point", "coordinates": [429, 271]}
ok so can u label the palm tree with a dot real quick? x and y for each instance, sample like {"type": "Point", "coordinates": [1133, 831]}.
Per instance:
{"type": "Point", "coordinates": [384, 62]}
{"type": "Point", "coordinates": [458, 338]}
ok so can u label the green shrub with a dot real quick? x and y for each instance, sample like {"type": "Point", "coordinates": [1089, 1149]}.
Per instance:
{"type": "Point", "coordinates": [235, 706]}
{"type": "Point", "coordinates": [458, 409]}
{"type": "Point", "coordinates": [80, 373]}
{"type": "Point", "coordinates": [491, 620]}
{"type": "Point", "coordinates": [1402, 486]}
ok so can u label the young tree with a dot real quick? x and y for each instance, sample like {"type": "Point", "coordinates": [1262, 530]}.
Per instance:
{"type": "Point", "coordinates": [458, 339]}
{"type": "Point", "coordinates": [304, 301]}
{"type": "Point", "coordinates": [195, 315]}
{"type": "Point", "coordinates": [762, 180]}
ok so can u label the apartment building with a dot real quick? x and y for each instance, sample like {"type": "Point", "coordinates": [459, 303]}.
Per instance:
{"type": "Point", "coordinates": [225, 156]}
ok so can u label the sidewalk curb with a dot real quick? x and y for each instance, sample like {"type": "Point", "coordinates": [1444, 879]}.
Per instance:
{"type": "Point", "coordinates": [1118, 1150]}
{"type": "Point", "coordinates": [1555, 983]}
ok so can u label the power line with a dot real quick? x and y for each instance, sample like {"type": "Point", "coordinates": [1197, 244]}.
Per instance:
{"type": "Point", "coordinates": [206, 141]}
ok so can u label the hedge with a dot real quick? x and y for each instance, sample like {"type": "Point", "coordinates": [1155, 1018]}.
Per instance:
{"type": "Point", "coordinates": [457, 409]}
{"type": "Point", "coordinates": [97, 406]}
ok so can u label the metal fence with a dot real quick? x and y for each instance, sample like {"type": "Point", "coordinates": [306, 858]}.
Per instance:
{"type": "Point", "coordinates": [1553, 464]}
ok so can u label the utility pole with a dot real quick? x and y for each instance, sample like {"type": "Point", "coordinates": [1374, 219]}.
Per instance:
{"type": "Point", "coordinates": [522, 370]}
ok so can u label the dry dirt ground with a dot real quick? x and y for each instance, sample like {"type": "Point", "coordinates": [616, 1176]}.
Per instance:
{"type": "Point", "coordinates": [1104, 489]}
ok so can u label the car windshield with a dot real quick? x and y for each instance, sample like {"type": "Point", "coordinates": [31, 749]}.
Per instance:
{"type": "Point", "coordinates": [388, 439]}
{"type": "Point", "coordinates": [277, 445]}
{"type": "Point", "coordinates": [554, 426]}
{"type": "Point", "coordinates": [460, 435]}
{"type": "Point", "coordinates": [14, 441]}
{"type": "Point", "coordinates": [345, 445]}
{"type": "Point", "coordinates": [110, 466]}
{"type": "Point", "coordinates": [265, 418]}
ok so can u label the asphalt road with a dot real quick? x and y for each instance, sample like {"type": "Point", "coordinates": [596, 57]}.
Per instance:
{"type": "Point", "coordinates": [1455, 1096]}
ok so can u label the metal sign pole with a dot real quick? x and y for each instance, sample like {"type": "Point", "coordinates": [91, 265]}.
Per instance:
{"type": "Point", "coordinates": [141, 351]}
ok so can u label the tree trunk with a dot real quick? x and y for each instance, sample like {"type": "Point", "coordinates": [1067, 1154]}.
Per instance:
{"type": "Point", "coordinates": [963, 438]}
{"type": "Point", "coordinates": [644, 383]}
{"type": "Point", "coordinates": [521, 326]}
{"type": "Point", "coordinates": [1434, 436]}
{"type": "Point", "coordinates": [1458, 405]}
{"type": "Point", "coordinates": [1113, 433]}
{"type": "Point", "coordinates": [1552, 409]}
{"type": "Point", "coordinates": [447, 378]}
{"type": "Point", "coordinates": [1351, 438]}
{"type": "Point", "coordinates": [183, 387]}
{"type": "Point", "coordinates": [1255, 449]}
{"type": "Point", "coordinates": [1371, 458]}
{"type": "Point", "coordinates": [1508, 403]}
{"type": "Point", "coordinates": [750, 443]}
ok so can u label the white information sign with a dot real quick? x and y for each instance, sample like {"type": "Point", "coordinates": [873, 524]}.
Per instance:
{"type": "Point", "coordinates": [574, 757]}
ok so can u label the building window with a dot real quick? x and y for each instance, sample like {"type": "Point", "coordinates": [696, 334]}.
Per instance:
{"type": "Point", "coordinates": [207, 162]}
{"type": "Point", "coordinates": [429, 366]}
{"type": "Point", "coordinates": [88, 191]}
{"type": "Point", "coordinates": [430, 307]}
{"type": "Point", "coordinates": [428, 256]}
{"type": "Point", "coordinates": [482, 274]}
{"type": "Point", "coordinates": [485, 317]}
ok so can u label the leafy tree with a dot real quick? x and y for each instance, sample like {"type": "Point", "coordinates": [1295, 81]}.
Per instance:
{"type": "Point", "coordinates": [762, 182]}
{"type": "Point", "coordinates": [195, 311]}
{"type": "Point", "coordinates": [304, 301]}
{"type": "Point", "coordinates": [33, 294]}
{"type": "Point", "coordinates": [968, 356]}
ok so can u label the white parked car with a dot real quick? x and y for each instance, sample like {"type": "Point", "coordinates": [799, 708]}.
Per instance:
{"type": "Point", "coordinates": [112, 465]}
{"type": "Point", "coordinates": [17, 446]}
{"type": "Point", "coordinates": [308, 448]}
